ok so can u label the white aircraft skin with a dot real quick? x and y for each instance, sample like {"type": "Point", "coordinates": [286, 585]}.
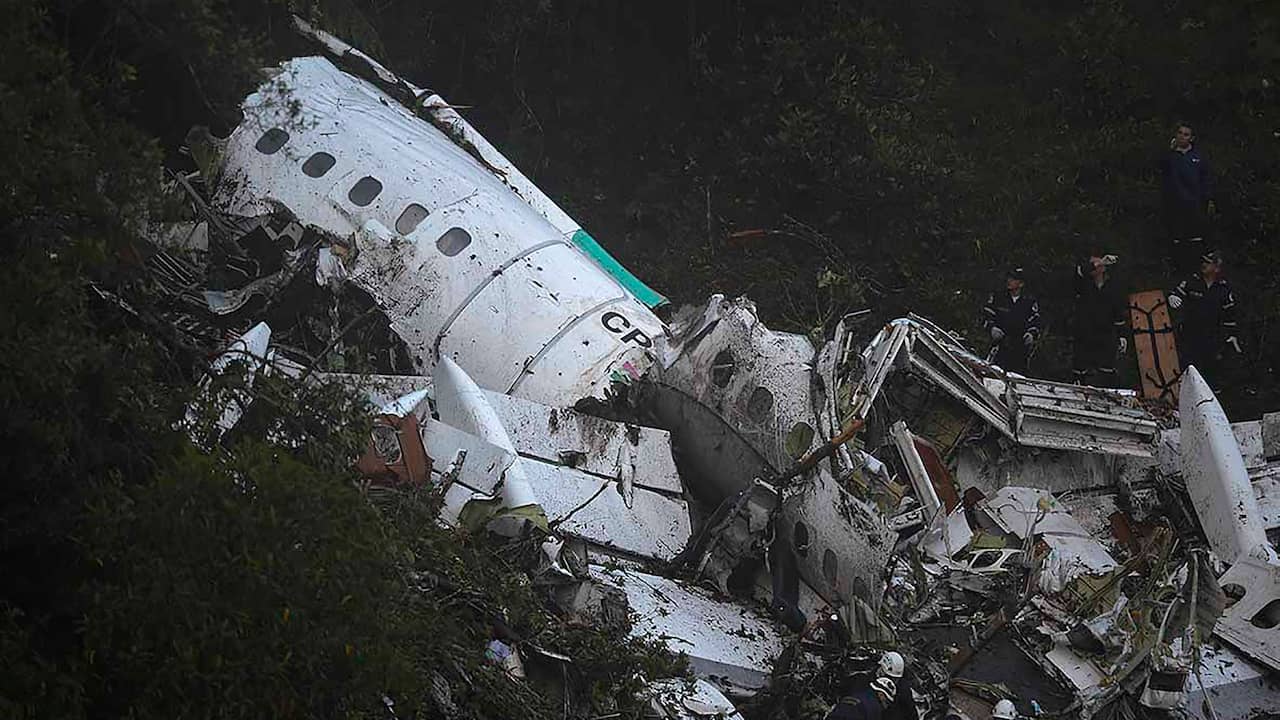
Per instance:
{"type": "Point", "coordinates": [470, 261]}
{"type": "Point", "coordinates": [448, 246]}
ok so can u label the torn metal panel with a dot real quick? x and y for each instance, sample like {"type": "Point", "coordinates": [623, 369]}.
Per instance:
{"type": "Point", "coordinates": [383, 390]}
{"type": "Point", "coordinates": [1271, 436]}
{"type": "Point", "coordinates": [1266, 487]}
{"type": "Point", "coordinates": [416, 403]}
{"type": "Point", "coordinates": [879, 358]}
{"type": "Point", "coordinates": [953, 369]}
{"type": "Point", "coordinates": [678, 699]}
{"type": "Point", "coordinates": [590, 444]}
{"type": "Point", "coordinates": [1249, 438]}
{"type": "Point", "coordinates": [714, 456]}
{"type": "Point", "coordinates": [1023, 511]}
{"type": "Point", "coordinates": [988, 469]}
{"type": "Point", "coordinates": [848, 542]}
{"type": "Point", "coordinates": [1234, 685]}
{"type": "Point", "coordinates": [191, 236]}
{"type": "Point", "coordinates": [1070, 557]}
{"type": "Point", "coordinates": [483, 465]}
{"type": "Point", "coordinates": [559, 435]}
{"type": "Point", "coordinates": [1252, 624]}
{"type": "Point", "coordinates": [595, 509]}
{"type": "Point", "coordinates": [456, 498]}
{"type": "Point", "coordinates": [920, 481]}
{"type": "Point", "coordinates": [461, 403]}
{"type": "Point", "coordinates": [455, 258]}
{"type": "Point", "coordinates": [1073, 417]}
{"type": "Point", "coordinates": [1084, 675]}
{"type": "Point", "coordinates": [734, 535]}
{"type": "Point", "coordinates": [1029, 512]}
{"type": "Point", "coordinates": [249, 351]}
{"type": "Point", "coordinates": [1035, 413]}
{"type": "Point", "coordinates": [737, 396]}
{"type": "Point", "coordinates": [727, 643]}
{"type": "Point", "coordinates": [947, 539]}
{"type": "Point", "coordinates": [1215, 475]}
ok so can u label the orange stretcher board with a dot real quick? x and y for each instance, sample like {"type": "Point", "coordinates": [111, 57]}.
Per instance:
{"type": "Point", "coordinates": [1154, 345]}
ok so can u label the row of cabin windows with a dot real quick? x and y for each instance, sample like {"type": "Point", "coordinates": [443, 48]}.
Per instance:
{"type": "Point", "coordinates": [365, 191]}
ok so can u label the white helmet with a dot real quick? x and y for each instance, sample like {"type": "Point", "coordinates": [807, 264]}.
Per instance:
{"type": "Point", "coordinates": [1005, 710]}
{"type": "Point", "coordinates": [892, 664]}
{"type": "Point", "coordinates": [884, 686]}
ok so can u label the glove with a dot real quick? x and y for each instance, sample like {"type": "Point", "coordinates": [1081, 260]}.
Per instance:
{"type": "Point", "coordinates": [1175, 301]}
{"type": "Point", "coordinates": [996, 333]}
{"type": "Point", "coordinates": [1234, 342]}
{"type": "Point", "coordinates": [1028, 339]}
{"type": "Point", "coordinates": [1110, 259]}
{"type": "Point", "coordinates": [1122, 345]}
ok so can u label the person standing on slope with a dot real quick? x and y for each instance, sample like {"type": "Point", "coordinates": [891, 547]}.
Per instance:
{"type": "Point", "coordinates": [1208, 318]}
{"type": "Point", "coordinates": [1012, 318]}
{"type": "Point", "coordinates": [1184, 198]}
{"type": "Point", "coordinates": [1098, 322]}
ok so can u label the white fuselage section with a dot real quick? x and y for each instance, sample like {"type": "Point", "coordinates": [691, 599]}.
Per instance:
{"type": "Point", "coordinates": [459, 260]}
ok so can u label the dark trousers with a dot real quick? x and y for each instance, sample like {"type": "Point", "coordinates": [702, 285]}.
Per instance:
{"type": "Point", "coordinates": [1013, 355]}
{"type": "Point", "coordinates": [1203, 352]}
{"type": "Point", "coordinates": [1187, 229]}
{"type": "Point", "coordinates": [1093, 359]}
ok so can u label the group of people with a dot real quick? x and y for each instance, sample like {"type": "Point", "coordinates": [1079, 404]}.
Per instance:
{"type": "Point", "coordinates": [1203, 301]}
{"type": "Point", "coordinates": [888, 696]}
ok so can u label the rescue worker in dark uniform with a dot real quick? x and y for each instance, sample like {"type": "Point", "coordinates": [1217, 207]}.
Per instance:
{"type": "Point", "coordinates": [1012, 317]}
{"type": "Point", "coordinates": [1208, 318]}
{"type": "Point", "coordinates": [1184, 198]}
{"type": "Point", "coordinates": [865, 704]}
{"type": "Point", "coordinates": [1098, 325]}
{"type": "Point", "coordinates": [903, 705]}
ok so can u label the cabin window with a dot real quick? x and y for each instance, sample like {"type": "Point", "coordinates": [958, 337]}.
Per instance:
{"type": "Point", "coordinates": [800, 539]}
{"type": "Point", "coordinates": [409, 219]}
{"type": "Point", "coordinates": [453, 241]}
{"type": "Point", "coordinates": [271, 141]}
{"type": "Point", "coordinates": [722, 368]}
{"type": "Point", "coordinates": [985, 559]}
{"type": "Point", "coordinates": [364, 191]}
{"type": "Point", "coordinates": [760, 405]}
{"type": "Point", "coordinates": [798, 440]}
{"type": "Point", "coordinates": [1268, 617]}
{"type": "Point", "coordinates": [1234, 593]}
{"type": "Point", "coordinates": [830, 568]}
{"type": "Point", "coordinates": [318, 164]}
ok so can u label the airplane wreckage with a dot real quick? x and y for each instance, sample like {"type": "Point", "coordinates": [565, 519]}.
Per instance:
{"type": "Point", "coordinates": [769, 508]}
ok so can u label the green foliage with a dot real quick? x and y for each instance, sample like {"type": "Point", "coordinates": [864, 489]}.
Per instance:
{"type": "Point", "coordinates": [144, 578]}
{"type": "Point", "coordinates": [934, 143]}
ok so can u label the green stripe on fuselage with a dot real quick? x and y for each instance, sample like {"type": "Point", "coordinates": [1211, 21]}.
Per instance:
{"type": "Point", "coordinates": [643, 293]}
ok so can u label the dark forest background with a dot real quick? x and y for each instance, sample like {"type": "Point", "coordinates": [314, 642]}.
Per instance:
{"type": "Point", "coordinates": [820, 157]}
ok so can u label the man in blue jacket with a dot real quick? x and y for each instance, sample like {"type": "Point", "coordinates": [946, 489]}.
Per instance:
{"type": "Point", "coordinates": [1185, 189]}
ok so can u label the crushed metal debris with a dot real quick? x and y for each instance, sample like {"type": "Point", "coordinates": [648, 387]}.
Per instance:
{"type": "Point", "coordinates": [780, 513]}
